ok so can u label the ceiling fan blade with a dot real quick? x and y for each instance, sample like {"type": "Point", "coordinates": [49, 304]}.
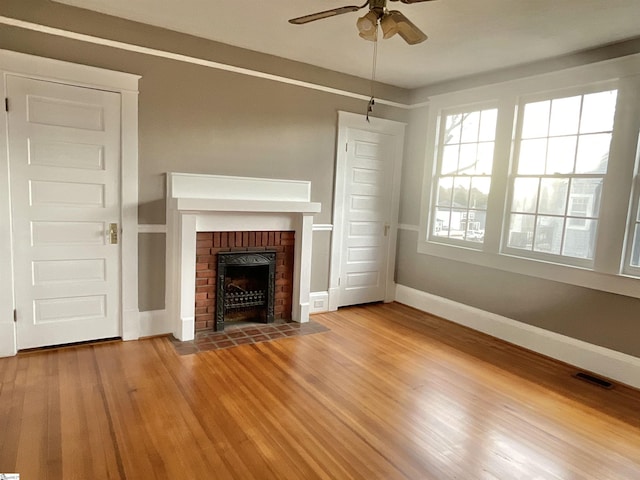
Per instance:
{"type": "Point", "coordinates": [326, 14]}
{"type": "Point", "coordinates": [411, 1]}
{"type": "Point", "coordinates": [406, 29]}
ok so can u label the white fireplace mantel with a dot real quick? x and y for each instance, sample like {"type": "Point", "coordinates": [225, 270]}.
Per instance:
{"type": "Point", "coordinates": [209, 203]}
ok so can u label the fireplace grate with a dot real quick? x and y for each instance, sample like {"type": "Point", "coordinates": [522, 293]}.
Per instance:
{"type": "Point", "coordinates": [238, 298]}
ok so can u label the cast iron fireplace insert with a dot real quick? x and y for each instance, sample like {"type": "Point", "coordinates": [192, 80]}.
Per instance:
{"type": "Point", "coordinates": [245, 287]}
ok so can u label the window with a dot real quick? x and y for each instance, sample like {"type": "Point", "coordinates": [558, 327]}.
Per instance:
{"type": "Point", "coordinates": [463, 180]}
{"type": "Point", "coordinates": [536, 176]}
{"type": "Point", "coordinates": [561, 162]}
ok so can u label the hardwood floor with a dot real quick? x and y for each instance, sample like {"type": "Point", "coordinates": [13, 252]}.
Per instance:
{"type": "Point", "coordinates": [387, 393]}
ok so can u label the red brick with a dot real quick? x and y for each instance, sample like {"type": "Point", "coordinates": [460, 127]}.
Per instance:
{"type": "Point", "coordinates": [276, 238]}
{"type": "Point", "coordinates": [204, 236]}
{"type": "Point", "coordinates": [211, 281]}
{"type": "Point", "coordinates": [245, 239]}
{"type": "Point", "coordinates": [201, 281]}
{"type": "Point", "coordinates": [272, 237]}
{"type": "Point", "coordinates": [202, 251]}
{"type": "Point", "coordinates": [202, 266]}
{"type": "Point", "coordinates": [287, 235]}
{"type": "Point", "coordinates": [224, 242]}
{"type": "Point", "coordinates": [204, 244]}
{"type": "Point", "coordinates": [201, 311]}
{"type": "Point", "coordinates": [201, 296]}
{"type": "Point", "coordinates": [288, 242]}
{"type": "Point", "coordinates": [205, 274]}
{"type": "Point", "coordinates": [238, 239]}
{"type": "Point", "coordinates": [216, 239]}
{"type": "Point", "coordinates": [252, 239]}
{"type": "Point", "coordinates": [265, 239]}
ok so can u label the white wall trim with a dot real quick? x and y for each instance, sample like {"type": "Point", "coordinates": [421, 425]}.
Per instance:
{"type": "Point", "coordinates": [408, 227]}
{"type": "Point", "coordinates": [152, 228]}
{"type": "Point", "coordinates": [318, 302]}
{"type": "Point", "coordinates": [154, 322]}
{"type": "Point", "coordinates": [126, 85]}
{"type": "Point", "coordinates": [13, 22]}
{"type": "Point", "coordinates": [603, 361]}
{"type": "Point", "coordinates": [322, 227]}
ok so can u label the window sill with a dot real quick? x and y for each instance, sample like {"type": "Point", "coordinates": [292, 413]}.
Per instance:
{"type": "Point", "coordinates": [620, 284]}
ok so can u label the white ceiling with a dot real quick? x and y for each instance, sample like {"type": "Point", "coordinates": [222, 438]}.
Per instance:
{"type": "Point", "coordinates": [465, 36]}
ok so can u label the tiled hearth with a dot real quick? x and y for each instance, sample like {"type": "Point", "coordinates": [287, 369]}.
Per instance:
{"type": "Point", "coordinates": [245, 335]}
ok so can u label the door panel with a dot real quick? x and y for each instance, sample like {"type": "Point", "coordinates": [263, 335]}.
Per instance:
{"type": "Point", "coordinates": [369, 168]}
{"type": "Point", "coordinates": [64, 158]}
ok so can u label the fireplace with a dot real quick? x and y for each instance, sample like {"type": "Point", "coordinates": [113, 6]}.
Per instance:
{"type": "Point", "coordinates": [245, 288]}
{"type": "Point", "coordinates": [217, 204]}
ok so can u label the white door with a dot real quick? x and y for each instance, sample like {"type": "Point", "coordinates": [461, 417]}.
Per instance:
{"type": "Point", "coordinates": [368, 208]}
{"type": "Point", "coordinates": [64, 151]}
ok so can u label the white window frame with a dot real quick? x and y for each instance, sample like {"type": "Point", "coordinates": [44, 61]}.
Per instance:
{"type": "Point", "coordinates": [609, 270]}
{"type": "Point", "coordinates": [435, 176]}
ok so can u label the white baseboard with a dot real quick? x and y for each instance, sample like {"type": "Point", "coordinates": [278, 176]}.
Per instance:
{"type": "Point", "coordinates": [7, 340]}
{"type": "Point", "coordinates": [603, 361]}
{"type": "Point", "coordinates": [318, 302]}
{"type": "Point", "coordinates": [154, 322]}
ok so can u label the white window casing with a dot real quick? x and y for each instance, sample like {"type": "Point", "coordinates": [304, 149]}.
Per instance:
{"type": "Point", "coordinates": [608, 263]}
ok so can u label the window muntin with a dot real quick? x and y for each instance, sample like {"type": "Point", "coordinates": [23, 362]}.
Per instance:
{"type": "Point", "coordinates": [463, 179]}
{"type": "Point", "coordinates": [561, 162]}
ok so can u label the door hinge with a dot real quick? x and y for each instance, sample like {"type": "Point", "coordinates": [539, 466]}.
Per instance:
{"type": "Point", "coordinates": [346, 145]}
{"type": "Point", "coordinates": [338, 281]}
{"type": "Point", "coordinates": [6, 104]}
{"type": "Point", "coordinates": [15, 315]}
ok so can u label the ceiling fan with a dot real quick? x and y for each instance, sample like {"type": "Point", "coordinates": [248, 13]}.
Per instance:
{"type": "Point", "coordinates": [391, 21]}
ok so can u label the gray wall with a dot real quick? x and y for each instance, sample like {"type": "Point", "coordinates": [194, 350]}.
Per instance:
{"type": "Point", "coordinates": [600, 318]}
{"type": "Point", "coordinates": [202, 120]}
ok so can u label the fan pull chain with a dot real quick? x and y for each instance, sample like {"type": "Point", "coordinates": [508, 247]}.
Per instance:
{"type": "Point", "coordinates": [372, 102]}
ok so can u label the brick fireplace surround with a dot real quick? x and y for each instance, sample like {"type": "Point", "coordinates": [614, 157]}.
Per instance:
{"type": "Point", "coordinates": [209, 244]}
{"type": "Point", "coordinates": [215, 203]}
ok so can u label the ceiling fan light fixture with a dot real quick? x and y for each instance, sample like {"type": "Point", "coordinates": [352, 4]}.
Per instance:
{"type": "Point", "coordinates": [367, 24]}
{"type": "Point", "coordinates": [389, 26]}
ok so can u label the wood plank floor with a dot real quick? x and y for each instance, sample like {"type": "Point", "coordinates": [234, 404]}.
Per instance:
{"type": "Point", "coordinates": [387, 393]}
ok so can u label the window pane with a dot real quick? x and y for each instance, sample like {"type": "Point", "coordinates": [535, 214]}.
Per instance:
{"type": "Point", "coordinates": [521, 231]}
{"type": "Point", "coordinates": [488, 125]}
{"type": "Point", "coordinates": [635, 253]}
{"type": "Point", "coordinates": [485, 158]}
{"type": "Point", "coordinates": [584, 198]}
{"type": "Point", "coordinates": [561, 155]}
{"type": "Point", "coordinates": [470, 126]}
{"type": "Point", "coordinates": [536, 119]}
{"type": "Point", "coordinates": [467, 163]}
{"type": "Point", "coordinates": [441, 225]}
{"type": "Point", "coordinates": [553, 195]}
{"type": "Point", "coordinates": [598, 110]}
{"type": "Point", "coordinates": [479, 192]}
{"type": "Point", "coordinates": [525, 195]}
{"type": "Point", "coordinates": [445, 190]}
{"type": "Point", "coordinates": [548, 235]}
{"type": "Point", "coordinates": [565, 115]}
{"type": "Point", "coordinates": [579, 238]}
{"type": "Point", "coordinates": [452, 129]}
{"type": "Point", "coordinates": [593, 153]}
{"type": "Point", "coordinates": [475, 226]}
{"type": "Point", "coordinates": [532, 157]}
{"type": "Point", "coordinates": [450, 159]}
{"type": "Point", "coordinates": [458, 224]}
{"type": "Point", "coordinates": [461, 191]}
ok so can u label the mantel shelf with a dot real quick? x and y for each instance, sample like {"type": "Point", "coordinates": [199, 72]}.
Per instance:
{"type": "Point", "coordinates": [185, 205]}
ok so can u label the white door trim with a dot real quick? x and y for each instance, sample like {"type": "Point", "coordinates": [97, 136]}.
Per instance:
{"type": "Point", "coordinates": [126, 84]}
{"type": "Point", "coordinates": [348, 120]}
